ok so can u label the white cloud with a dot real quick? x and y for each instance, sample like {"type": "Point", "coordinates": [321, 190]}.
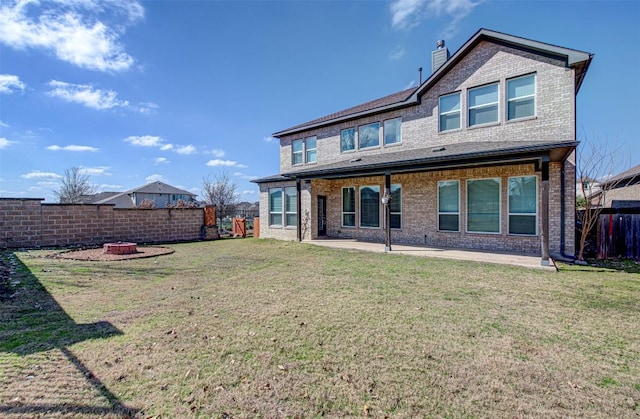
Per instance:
{"type": "Point", "coordinates": [217, 152]}
{"type": "Point", "coordinates": [4, 124]}
{"type": "Point", "coordinates": [269, 140]}
{"type": "Point", "coordinates": [187, 149]}
{"type": "Point", "coordinates": [243, 176]}
{"type": "Point", "coordinates": [224, 163]}
{"type": "Point", "coordinates": [166, 147]}
{"type": "Point", "coordinates": [155, 178]}
{"type": "Point", "coordinates": [86, 95]}
{"type": "Point", "coordinates": [76, 31]}
{"type": "Point", "coordinates": [146, 141]}
{"type": "Point", "coordinates": [10, 83]}
{"type": "Point", "coordinates": [95, 171]}
{"type": "Point", "coordinates": [106, 186]}
{"type": "Point", "coordinates": [37, 174]}
{"type": "Point", "coordinates": [247, 192]}
{"type": "Point", "coordinates": [4, 143]}
{"type": "Point", "coordinates": [160, 160]}
{"type": "Point", "coordinates": [397, 53]}
{"type": "Point", "coordinates": [407, 14]}
{"type": "Point", "coordinates": [72, 148]}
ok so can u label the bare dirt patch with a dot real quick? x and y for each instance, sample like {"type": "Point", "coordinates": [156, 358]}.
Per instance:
{"type": "Point", "coordinates": [98, 254]}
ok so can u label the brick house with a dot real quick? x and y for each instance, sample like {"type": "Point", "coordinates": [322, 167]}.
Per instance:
{"type": "Point", "coordinates": [160, 193]}
{"type": "Point", "coordinates": [481, 155]}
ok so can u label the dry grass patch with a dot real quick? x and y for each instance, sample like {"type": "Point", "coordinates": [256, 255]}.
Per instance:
{"type": "Point", "coordinates": [246, 328]}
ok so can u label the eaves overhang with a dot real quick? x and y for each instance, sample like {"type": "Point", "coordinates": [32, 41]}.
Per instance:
{"type": "Point", "coordinates": [513, 154]}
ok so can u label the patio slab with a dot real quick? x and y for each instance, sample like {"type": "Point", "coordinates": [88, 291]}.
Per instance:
{"type": "Point", "coordinates": [526, 261]}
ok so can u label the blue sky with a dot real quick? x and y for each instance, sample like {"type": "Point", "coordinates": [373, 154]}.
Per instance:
{"type": "Point", "coordinates": [134, 92]}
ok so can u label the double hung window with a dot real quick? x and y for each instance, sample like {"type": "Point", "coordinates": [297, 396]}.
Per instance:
{"type": "Point", "coordinates": [483, 205]}
{"type": "Point", "coordinates": [349, 206]}
{"type": "Point", "coordinates": [304, 151]}
{"type": "Point", "coordinates": [523, 209]}
{"type": "Point", "coordinates": [392, 131]}
{"type": "Point", "coordinates": [291, 207]}
{"type": "Point", "coordinates": [370, 206]}
{"type": "Point", "coordinates": [449, 205]}
{"type": "Point", "coordinates": [395, 207]}
{"type": "Point", "coordinates": [275, 207]}
{"type": "Point", "coordinates": [449, 107]}
{"type": "Point", "coordinates": [521, 97]}
{"type": "Point", "coordinates": [348, 139]}
{"type": "Point", "coordinates": [483, 105]}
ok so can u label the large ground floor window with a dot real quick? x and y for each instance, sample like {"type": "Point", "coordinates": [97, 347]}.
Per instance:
{"type": "Point", "coordinates": [523, 208]}
{"type": "Point", "coordinates": [279, 212]}
{"type": "Point", "coordinates": [449, 205]}
{"type": "Point", "coordinates": [349, 206]}
{"type": "Point", "coordinates": [370, 206]}
{"type": "Point", "coordinates": [483, 205]}
{"type": "Point", "coordinates": [395, 207]}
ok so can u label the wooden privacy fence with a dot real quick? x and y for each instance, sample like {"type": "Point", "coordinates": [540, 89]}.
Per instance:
{"type": "Point", "coordinates": [619, 236]}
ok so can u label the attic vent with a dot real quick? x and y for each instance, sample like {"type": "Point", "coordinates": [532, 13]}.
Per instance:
{"type": "Point", "coordinates": [436, 149]}
{"type": "Point", "coordinates": [355, 160]}
{"type": "Point", "coordinates": [439, 56]}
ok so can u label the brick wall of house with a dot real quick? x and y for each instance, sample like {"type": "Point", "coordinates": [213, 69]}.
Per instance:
{"type": "Point", "coordinates": [29, 223]}
{"type": "Point", "coordinates": [420, 211]}
{"type": "Point", "coordinates": [625, 193]}
{"type": "Point", "coordinates": [487, 63]}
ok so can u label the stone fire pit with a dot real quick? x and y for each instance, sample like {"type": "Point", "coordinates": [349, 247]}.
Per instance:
{"type": "Point", "coordinates": [120, 248]}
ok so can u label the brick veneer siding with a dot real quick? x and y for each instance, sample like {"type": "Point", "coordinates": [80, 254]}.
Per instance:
{"type": "Point", "coordinates": [281, 232]}
{"type": "Point", "coordinates": [29, 223]}
{"type": "Point", "coordinates": [487, 63]}
{"type": "Point", "coordinates": [624, 193]}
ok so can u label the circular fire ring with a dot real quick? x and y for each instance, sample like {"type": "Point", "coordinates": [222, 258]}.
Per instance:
{"type": "Point", "coordinates": [120, 248]}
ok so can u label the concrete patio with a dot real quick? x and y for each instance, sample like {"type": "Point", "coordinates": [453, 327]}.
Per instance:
{"type": "Point", "coordinates": [526, 261]}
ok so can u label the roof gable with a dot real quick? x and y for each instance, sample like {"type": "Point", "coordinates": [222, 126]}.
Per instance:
{"type": "Point", "coordinates": [159, 188]}
{"type": "Point", "coordinates": [579, 60]}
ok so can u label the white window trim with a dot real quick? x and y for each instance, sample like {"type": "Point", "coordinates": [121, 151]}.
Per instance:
{"type": "Point", "coordinates": [399, 118]}
{"type": "Point", "coordinates": [534, 95]}
{"type": "Point", "coordinates": [301, 152]}
{"type": "Point", "coordinates": [304, 151]}
{"type": "Point", "coordinates": [360, 208]}
{"type": "Point", "coordinates": [485, 105]}
{"type": "Point", "coordinates": [509, 213]}
{"type": "Point", "coordinates": [355, 210]}
{"type": "Point", "coordinates": [459, 112]}
{"type": "Point", "coordinates": [307, 149]}
{"type": "Point", "coordinates": [499, 207]}
{"type": "Point", "coordinates": [448, 213]}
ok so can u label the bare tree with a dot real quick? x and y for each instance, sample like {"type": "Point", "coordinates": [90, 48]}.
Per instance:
{"type": "Point", "coordinates": [596, 163]}
{"type": "Point", "coordinates": [219, 190]}
{"type": "Point", "coordinates": [75, 186]}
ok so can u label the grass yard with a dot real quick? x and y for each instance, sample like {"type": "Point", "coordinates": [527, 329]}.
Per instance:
{"type": "Point", "coordinates": [260, 328]}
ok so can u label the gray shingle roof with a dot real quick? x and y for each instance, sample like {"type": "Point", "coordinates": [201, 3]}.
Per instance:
{"type": "Point", "coordinates": [159, 187]}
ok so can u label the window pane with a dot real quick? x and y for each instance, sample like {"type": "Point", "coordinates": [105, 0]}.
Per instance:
{"type": "Point", "coordinates": [448, 222]}
{"type": "Point", "coordinates": [392, 131]}
{"type": "Point", "coordinates": [292, 219]}
{"type": "Point", "coordinates": [523, 86]}
{"type": "Point", "coordinates": [483, 205]}
{"type": "Point", "coordinates": [291, 202]}
{"type": "Point", "coordinates": [522, 195]}
{"type": "Point", "coordinates": [449, 121]}
{"type": "Point", "coordinates": [348, 199]}
{"type": "Point", "coordinates": [348, 139]}
{"type": "Point", "coordinates": [483, 95]}
{"type": "Point", "coordinates": [448, 196]}
{"type": "Point", "coordinates": [275, 219]}
{"type": "Point", "coordinates": [370, 206]}
{"type": "Point", "coordinates": [522, 224]}
{"type": "Point", "coordinates": [312, 156]}
{"type": "Point", "coordinates": [483, 115]}
{"type": "Point", "coordinates": [450, 103]}
{"type": "Point", "coordinates": [369, 135]}
{"type": "Point", "coordinates": [310, 144]}
{"type": "Point", "coordinates": [395, 205]}
{"type": "Point", "coordinates": [522, 108]}
{"type": "Point", "coordinates": [349, 220]}
{"type": "Point", "coordinates": [275, 200]}
{"type": "Point", "coordinates": [297, 146]}
{"type": "Point", "coordinates": [395, 221]}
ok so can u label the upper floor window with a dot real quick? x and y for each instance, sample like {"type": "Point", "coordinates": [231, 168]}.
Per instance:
{"type": "Point", "coordinates": [449, 107]}
{"type": "Point", "coordinates": [521, 97]}
{"type": "Point", "coordinates": [348, 139]}
{"type": "Point", "coordinates": [392, 131]}
{"type": "Point", "coordinates": [483, 105]}
{"type": "Point", "coordinates": [369, 135]}
{"type": "Point", "coordinates": [311, 150]}
{"type": "Point", "coordinates": [304, 151]}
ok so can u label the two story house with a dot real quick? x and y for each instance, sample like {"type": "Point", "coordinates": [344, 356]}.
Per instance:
{"type": "Point", "coordinates": [481, 155]}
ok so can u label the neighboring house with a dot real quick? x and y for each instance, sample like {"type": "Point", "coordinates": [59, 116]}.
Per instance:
{"type": "Point", "coordinates": [158, 192]}
{"type": "Point", "coordinates": [620, 191]}
{"type": "Point", "coordinates": [481, 155]}
{"type": "Point", "coordinates": [247, 209]}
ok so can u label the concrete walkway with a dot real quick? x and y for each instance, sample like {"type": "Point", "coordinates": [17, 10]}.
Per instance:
{"type": "Point", "coordinates": [526, 261]}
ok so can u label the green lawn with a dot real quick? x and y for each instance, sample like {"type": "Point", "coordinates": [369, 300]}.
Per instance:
{"type": "Point", "coordinates": [262, 328]}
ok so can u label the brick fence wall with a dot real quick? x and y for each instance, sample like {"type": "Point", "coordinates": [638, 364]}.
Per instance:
{"type": "Point", "coordinates": [30, 223]}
